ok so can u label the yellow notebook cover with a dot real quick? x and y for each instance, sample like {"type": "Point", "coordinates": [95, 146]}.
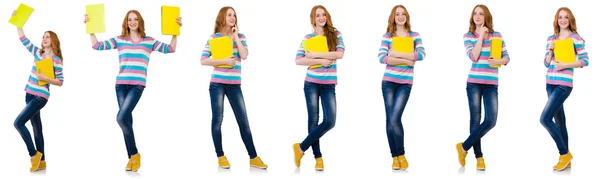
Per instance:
{"type": "Point", "coordinates": [316, 44]}
{"type": "Point", "coordinates": [496, 50]}
{"type": "Point", "coordinates": [221, 49]}
{"type": "Point", "coordinates": [22, 15]}
{"type": "Point", "coordinates": [564, 51]}
{"type": "Point", "coordinates": [169, 20]}
{"type": "Point", "coordinates": [46, 66]}
{"type": "Point", "coordinates": [403, 44]}
{"type": "Point", "coordinates": [95, 22]}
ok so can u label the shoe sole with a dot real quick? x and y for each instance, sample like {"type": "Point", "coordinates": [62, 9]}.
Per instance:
{"type": "Point", "coordinates": [259, 167]}
{"type": "Point", "coordinates": [561, 169]}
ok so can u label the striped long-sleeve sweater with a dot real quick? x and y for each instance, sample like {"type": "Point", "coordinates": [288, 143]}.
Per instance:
{"type": "Point", "coordinates": [32, 86]}
{"type": "Point", "coordinates": [481, 72]}
{"type": "Point", "coordinates": [400, 74]}
{"type": "Point", "coordinates": [321, 75]}
{"type": "Point", "coordinates": [565, 77]}
{"type": "Point", "coordinates": [134, 57]}
{"type": "Point", "coordinates": [226, 75]}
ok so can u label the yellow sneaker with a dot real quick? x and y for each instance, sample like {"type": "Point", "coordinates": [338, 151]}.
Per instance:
{"type": "Point", "coordinates": [128, 167]}
{"type": "Point", "coordinates": [395, 163]}
{"type": "Point", "coordinates": [480, 163]}
{"type": "Point", "coordinates": [297, 154]}
{"type": "Point", "coordinates": [223, 163]}
{"type": "Point", "coordinates": [135, 162]}
{"type": "Point", "coordinates": [403, 162]}
{"type": "Point", "coordinates": [569, 165]}
{"type": "Point", "coordinates": [42, 165]}
{"type": "Point", "coordinates": [35, 161]}
{"type": "Point", "coordinates": [319, 166]}
{"type": "Point", "coordinates": [462, 154]}
{"type": "Point", "coordinates": [258, 163]}
{"type": "Point", "coordinates": [563, 161]}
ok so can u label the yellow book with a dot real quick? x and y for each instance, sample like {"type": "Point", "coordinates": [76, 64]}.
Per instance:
{"type": "Point", "coordinates": [221, 49]}
{"type": "Point", "coordinates": [404, 45]}
{"type": "Point", "coordinates": [316, 44]}
{"type": "Point", "coordinates": [169, 20]}
{"type": "Point", "coordinates": [564, 51]}
{"type": "Point", "coordinates": [22, 15]}
{"type": "Point", "coordinates": [496, 50]}
{"type": "Point", "coordinates": [46, 66]}
{"type": "Point", "coordinates": [95, 22]}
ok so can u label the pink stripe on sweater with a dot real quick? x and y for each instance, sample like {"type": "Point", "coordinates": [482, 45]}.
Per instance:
{"type": "Point", "coordinates": [478, 81]}
{"type": "Point", "coordinates": [395, 80]}
{"type": "Point", "coordinates": [559, 82]}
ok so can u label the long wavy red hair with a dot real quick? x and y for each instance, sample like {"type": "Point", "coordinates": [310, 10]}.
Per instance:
{"type": "Point", "coordinates": [55, 43]}
{"type": "Point", "coordinates": [328, 30]}
{"type": "Point", "coordinates": [140, 30]}
{"type": "Point", "coordinates": [221, 18]}
{"type": "Point", "coordinates": [572, 22]}
{"type": "Point", "coordinates": [391, 28]}
{"type": "Point", "coordinates": [487, 17]}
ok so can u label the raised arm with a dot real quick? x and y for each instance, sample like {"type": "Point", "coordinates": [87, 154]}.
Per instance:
{"type": "Point", "coordinates": [242, 46]}
{"type": "Point", "coordinates": [174, 38]}
{"type": "Point", "coordinates": [100, 45]}
{"type": "Point", "coordinates": [473, 48]}
{"type": "Point", "coordinates": [163, 47]}
{"type": "Point", "coordinates": [26, 42]}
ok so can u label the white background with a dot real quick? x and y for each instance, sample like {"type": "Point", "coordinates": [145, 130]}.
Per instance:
{"type": "Point", "coordinates": [172, 120]}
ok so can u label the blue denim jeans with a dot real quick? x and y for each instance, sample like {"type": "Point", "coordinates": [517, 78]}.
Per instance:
{"type": "Point", "coordinates": [32, 112]}
{"type": "Point", "coordinates": [312, 92]}
{"type": "Point", "coordinates": [554, 109]}
{"type": "Point", "coordinates": [128, 97]}
{"type": "Point", "coordinates": [475, 94]}
{"type": "Point", "coordinates": [218, 91]}
{"type": "Point", "coordinates": [395, 97]}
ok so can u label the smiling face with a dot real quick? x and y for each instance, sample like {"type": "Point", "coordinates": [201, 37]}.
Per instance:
{"type": "Point", "coordinates": [320, 17]}
{"type": "Point", "coordinates": [230, 19]}
{"type": "Point", "coordinates": [563, 19]}
{"type": "Point", "coordinates": [478, 16]}
{"type": "Point", "coordinates": [132, 22]}
{"type": "Point", "coordinates": [46, 41]}
{"type": "Point", "coordinates": [400, 16]}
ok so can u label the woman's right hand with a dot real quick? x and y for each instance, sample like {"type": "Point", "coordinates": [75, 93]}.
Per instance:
{"type": "Point", "coordinates": [85, 19]}
{"type": "Point", "coordinates": [14, 12]}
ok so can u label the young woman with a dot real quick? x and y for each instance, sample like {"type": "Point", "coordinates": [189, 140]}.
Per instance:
{"type": "Point", "coordinates": [36, 96]}
{"type": "Point", "coordinates": [398, 79]}
{"type": "Point", "coordinates": [482, 82]}
{"type": "Point", "coordinates": [134, 48]}
{"type": "Point", "coordinates": [559, 82]}
{"type": "Point", "coordinates": [320, 83]}
{"type": "Point", "coordinates": [227, 82]}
